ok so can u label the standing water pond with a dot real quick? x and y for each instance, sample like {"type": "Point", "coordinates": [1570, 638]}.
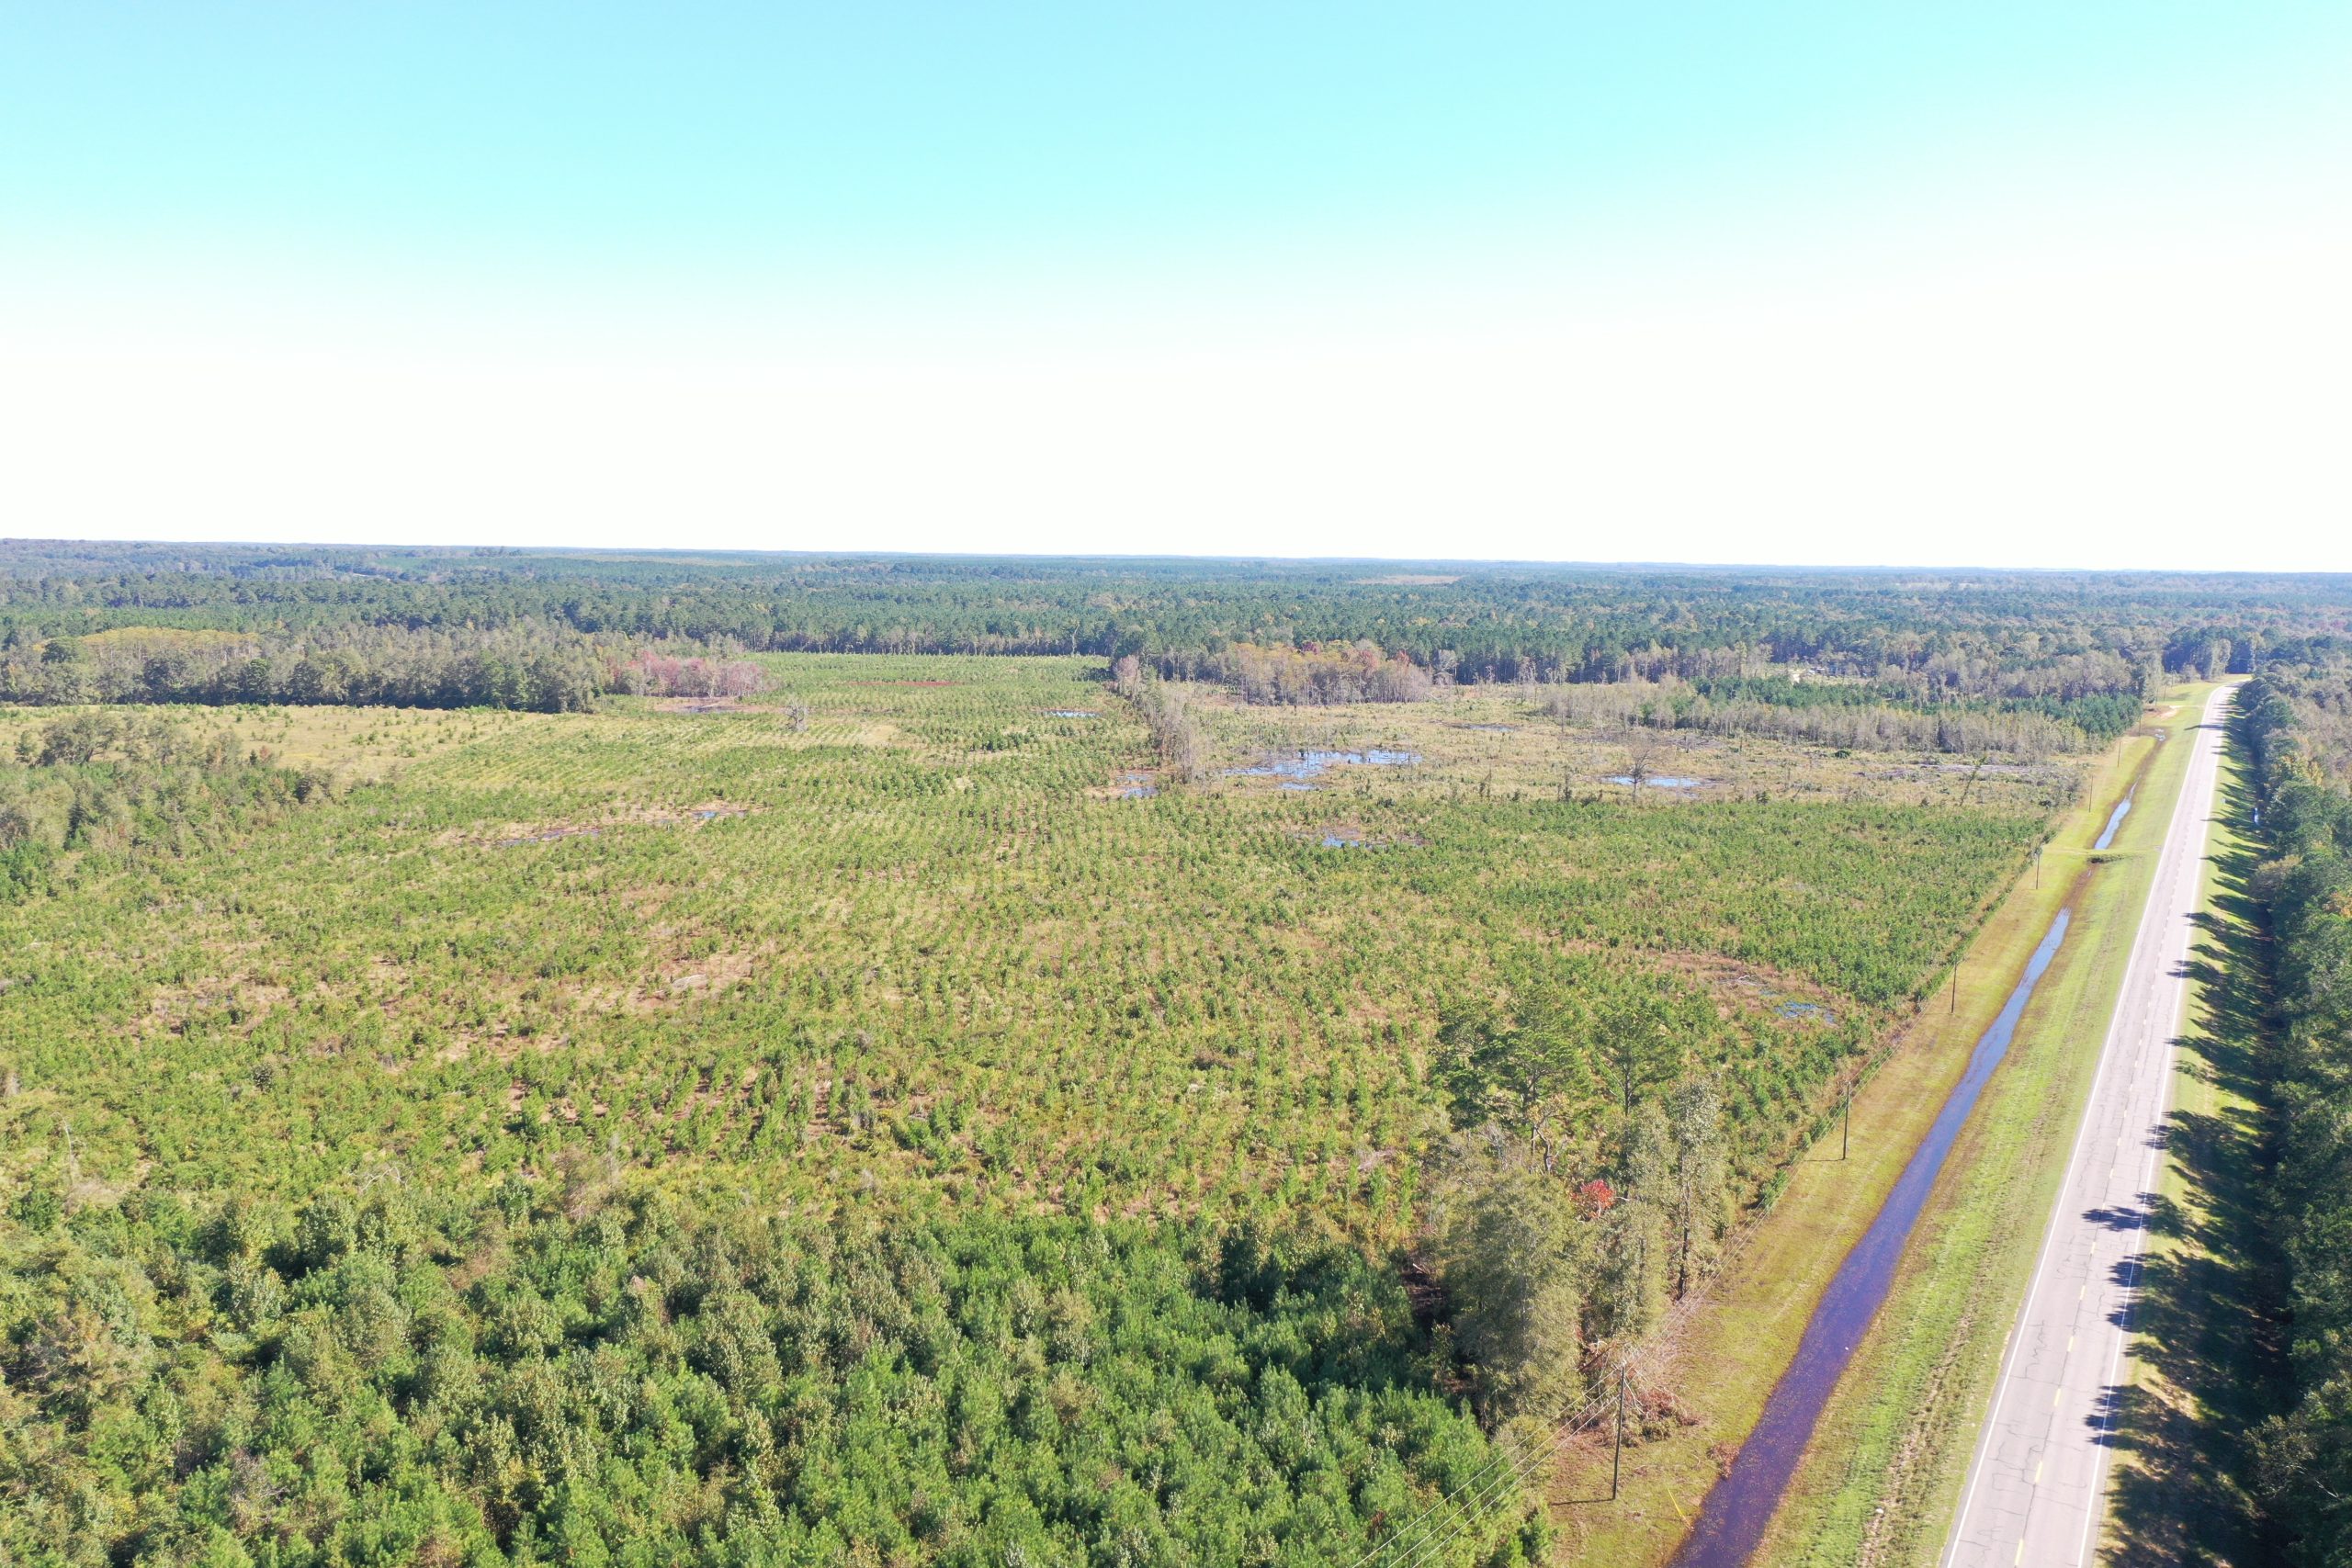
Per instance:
{"type": "Point", "coordinates": [1300, 770]}
{"type": "Point", "coordinates": [1733, 1518]}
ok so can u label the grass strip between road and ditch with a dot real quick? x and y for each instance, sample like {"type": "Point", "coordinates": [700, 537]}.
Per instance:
{"type": "Point", "coordinates": [1740, 1340]}
{"type": "Point", "coordinates": [1882, 1475]}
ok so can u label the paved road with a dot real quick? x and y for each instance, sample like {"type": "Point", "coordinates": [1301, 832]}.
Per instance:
{"type": "Point", "coordinates": [2036, 1488]}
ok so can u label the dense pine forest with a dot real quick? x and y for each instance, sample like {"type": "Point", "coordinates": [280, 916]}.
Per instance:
{"type": "Point", "coordinates": [514, 1057]}
{"type": "Point", "coordinates": [415, 627]}
{"type": "Point", "coordinates": [2296, 720]}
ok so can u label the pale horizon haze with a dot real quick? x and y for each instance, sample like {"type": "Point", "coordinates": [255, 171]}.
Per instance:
{"type": "Point", "coordinates": [2002, 286]}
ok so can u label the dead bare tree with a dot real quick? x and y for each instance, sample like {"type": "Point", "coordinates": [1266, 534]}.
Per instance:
{"type": "Point", "coordinates": [1641, 753]}
{"type": "Point", "coordinates": [1167, 716]}
{"type": "Point", "coordinates": [1972, 772]}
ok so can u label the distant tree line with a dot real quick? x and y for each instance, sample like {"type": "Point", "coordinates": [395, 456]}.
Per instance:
{"type": "Point", "coordinates": [529, 666]}
{"type": "Point", "coordinates": [1314, 674]}
{"type": "Point", "coordinates": [2296, 721]}
{"type": "Point", "coordinates": [536, 667]}
{"type": "Point", "coordinates": [1981, 635]}
{"type": "Point", "coordinates": [1860, 717]}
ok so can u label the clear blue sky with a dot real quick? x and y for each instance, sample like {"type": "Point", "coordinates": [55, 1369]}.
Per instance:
{"type": "Point", "coordinates": [780, 139]}
{"type": "Point", "coordinates": [170, 165]}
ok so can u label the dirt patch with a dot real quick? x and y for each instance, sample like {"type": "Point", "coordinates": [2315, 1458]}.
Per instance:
{"type": "Point", "coordinates": [1132, 783]}
{"type": "Point", "coordinates": [1355, 836]}
{"type": "Point", "coordinates": [247, 1002]}
{"type": "Point", "coordinates": [545, 836]}
{"type": "Point", "coordinates": [1754, 986]}
{"type": "Point", "coordinates": [518, 834]}
{"type": "Point", "coordinates": [680, 979]}
{"type": "Point", "coordinates": [710, 705]}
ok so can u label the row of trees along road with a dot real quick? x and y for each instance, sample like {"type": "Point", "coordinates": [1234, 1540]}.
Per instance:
{"type": "Point", "coordinates": [2297, 724]}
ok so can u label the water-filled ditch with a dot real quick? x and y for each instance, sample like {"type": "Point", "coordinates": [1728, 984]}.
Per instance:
{"type": "Point", "coordinates": [1733, 1518]}
{"type": "Point", "coordinates": [2115, 819]}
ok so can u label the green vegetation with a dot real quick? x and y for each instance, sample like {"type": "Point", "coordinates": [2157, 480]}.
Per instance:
{"type": "Point", "coordinates": [1694, 1405]}
{"type": "Point", "coordinates": [884, 932]}
{"type": "Point", "coordinates": [1881, 1477]}
{"type": "Point", "coordinates": [534, 666]}
{"type": "Point", "coordinates": [2297, 725]}
{"type": "Point", "coordinates": [99, 789]}
{"type": "Point", "coordinates": [907, 954]}
{"type": "Point", "coordinates": [1870, 715]}
{"type": "Point", "coordinates": [562, 1376]}
{"type": "Point", "coordinates": [2041, 661]}
{"type": "Point", "coordinates": [657, 1093]}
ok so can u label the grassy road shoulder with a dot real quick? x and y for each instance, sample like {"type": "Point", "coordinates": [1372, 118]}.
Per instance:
{"type": "Point", "coordinates": [1739, 1342]}
{"type": "Point", "coordinates": [1878, 1484]}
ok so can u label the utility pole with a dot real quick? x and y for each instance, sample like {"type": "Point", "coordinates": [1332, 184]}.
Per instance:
{"type": "Point", "coordinates": [1617, 1454]}
{"type": "Point", "coordinates": [1955, 984]}
{"type": "Point", "coordinates": [1845, 1127]}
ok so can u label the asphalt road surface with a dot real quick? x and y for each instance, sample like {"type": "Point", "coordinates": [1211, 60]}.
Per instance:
{"type": "Point", "coordinates": [2036, 1489]}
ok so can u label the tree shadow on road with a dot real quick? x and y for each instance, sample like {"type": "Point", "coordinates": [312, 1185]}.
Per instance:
{"type": "Point", "coordinates": [2206, 1321]}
